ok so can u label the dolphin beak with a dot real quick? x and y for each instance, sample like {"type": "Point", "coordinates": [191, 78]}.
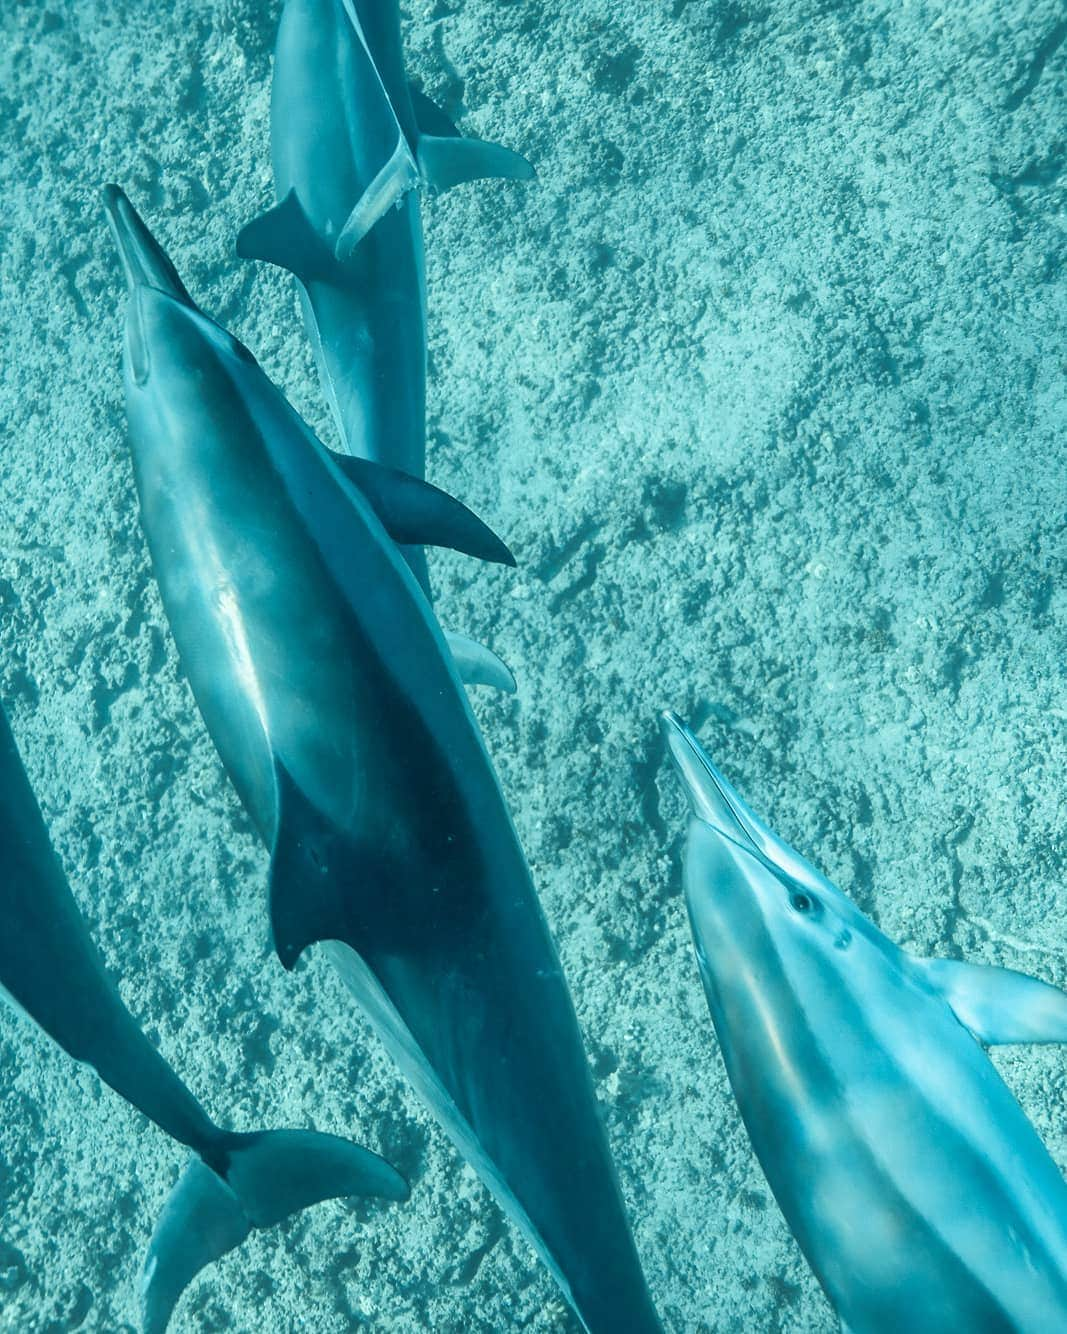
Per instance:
{"type": "Point", "coordinates": [713, 800]}
{"type": "Point", "coordinates": [143, 259]}
{"type": "Point", "coordinates": [710, 795]}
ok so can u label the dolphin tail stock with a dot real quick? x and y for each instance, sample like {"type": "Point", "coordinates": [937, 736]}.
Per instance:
{"type": "Point", "coordinates": [268, 1176]}
{"type": "Point", "coordinates": [447, 158]}
{"type": "Point", "coordinates": [414, 512]}
{"type": "Point", "coordinates": [478, 665]}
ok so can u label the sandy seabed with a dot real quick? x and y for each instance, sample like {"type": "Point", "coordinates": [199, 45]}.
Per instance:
{"type": "Point", "coordinates": [763, 381]}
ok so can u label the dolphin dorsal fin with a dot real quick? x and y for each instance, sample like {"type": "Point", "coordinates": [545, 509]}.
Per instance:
{"type": "Point", "coordinates": [284, 236]}
{"type": "Point", "coordinates": [999, 1005]}
{"type": "Point", "coordinates": [414, 513]}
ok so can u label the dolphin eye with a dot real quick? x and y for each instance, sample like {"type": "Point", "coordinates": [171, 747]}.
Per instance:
{"type": "Point", "coordinates": [803, 903]}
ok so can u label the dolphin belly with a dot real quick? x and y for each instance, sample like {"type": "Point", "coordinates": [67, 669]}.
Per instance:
{"type": "Point", "coordinates": [411, 1061]}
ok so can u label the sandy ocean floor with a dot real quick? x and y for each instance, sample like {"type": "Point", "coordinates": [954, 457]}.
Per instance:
{"type": "Point", "coordinates": [763, 380]}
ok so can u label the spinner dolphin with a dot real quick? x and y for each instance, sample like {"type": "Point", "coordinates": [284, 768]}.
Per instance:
{"type": "Point", "coordinates": [349, 140]}
{"type": "Point", "coordinates": [916, 1187]}
{"type": "Point", "coordinates": [328, 689]}
{"type": "Point", "coordinates": [51, 971]}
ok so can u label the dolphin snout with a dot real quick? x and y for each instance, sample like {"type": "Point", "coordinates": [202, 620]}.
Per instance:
{"type": "Point", "coordinates": [705, 787]}
{"type": "Point", "coordinates": [144, 261]}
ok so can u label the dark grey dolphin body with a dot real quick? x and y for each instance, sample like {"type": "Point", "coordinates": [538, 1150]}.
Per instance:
{"type": "Point", "coordinates": [51, 970]}
{"type": "Point", "coordinates": [328, 689]}
{"type": "Point", "coordinates": [919, 1192]}
{"type": "Point", "coordinates": [349, 141]}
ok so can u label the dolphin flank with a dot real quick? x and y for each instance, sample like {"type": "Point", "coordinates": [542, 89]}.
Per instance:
{"type": "Point", "coordinates": [331, 696]}
{"type": "Point", "coordinates": [50, 970]}
{"type": "Point", "coordinates": [916, 1187]}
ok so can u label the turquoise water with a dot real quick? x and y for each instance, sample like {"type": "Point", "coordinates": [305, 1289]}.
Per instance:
{"type": "Point", "coordinates": [762, 381]}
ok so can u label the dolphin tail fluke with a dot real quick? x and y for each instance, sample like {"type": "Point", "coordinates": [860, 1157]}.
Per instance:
{"type": "Point", "coordinates": [428, 115]}
{"type": "Point", "coordinates": [268, 1176]}
{"type": "Point", "coordinates": [284, 236]}
{"type": "Point", "coordinates": [478, 665]}
{"type": "Point", "coordinates": [396, 178]}
{"type": "Point", "coordinates": [415, 513]}
{"type": "Point", "coordinates": [448, 160]}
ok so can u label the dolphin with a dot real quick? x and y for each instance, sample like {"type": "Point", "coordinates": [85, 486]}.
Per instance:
{"type": "Point", "coordinates": [51, 971]}
{"type": "Point", "coordinates": [919, 1192]}
{"type": "Point", "coordinates": [330, 694]}
{"type": "Point", "coordinates": [349, 139]}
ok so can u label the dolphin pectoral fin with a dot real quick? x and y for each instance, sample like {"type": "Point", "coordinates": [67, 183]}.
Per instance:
{"type": "Point", "coordinates": [284, 236]}
{"type": "Point", "coordinates": [429, 117]}
{"type": "Point", "coordinates": [478, 665]}
{"type": "Point", "coordinates": [998, 1005]}
{"type": "Point", "coordinates": [269, 1176]}
{"type": "Point", "coordinates": [414, 513]}
{"type": "Point", "coordinates": [396, 178]}
{"type": "Point", "coordinates": [448, 160]}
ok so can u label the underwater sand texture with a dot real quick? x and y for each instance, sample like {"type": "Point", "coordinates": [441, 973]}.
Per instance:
{"type": "Point", "coordinates": [763, 381]}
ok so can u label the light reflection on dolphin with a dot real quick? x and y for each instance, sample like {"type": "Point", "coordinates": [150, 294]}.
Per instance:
{"type": "Point", "coordinates": [51, 971]}
{"type": "Point", "coordinates": [329, 691]}
{"type": "Point", "coordinates": [917, 1189]}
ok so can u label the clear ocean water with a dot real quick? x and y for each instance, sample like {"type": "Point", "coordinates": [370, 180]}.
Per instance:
{"type": "Point", "coordinates": [763, 381]}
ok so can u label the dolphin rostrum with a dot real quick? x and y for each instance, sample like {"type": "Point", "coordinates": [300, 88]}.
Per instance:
{"type": "Point", "coordinates": [50, 970]}
{"type": "Point", "coordinates": [330, 694]}
{"type": "Point", "coordinates": [342, 114]}
{"type": "Point", "coordinates": [916, 1187]}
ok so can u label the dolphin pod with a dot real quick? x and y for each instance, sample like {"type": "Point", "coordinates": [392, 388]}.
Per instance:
{"type": "Point", "coordinates": [919, 1192]}
{"type": "Point", "coordinates": [51, 970]}
{"type": "Point", "coordinates": [344, 126]}
{"type": "Point", "coordinates": [330, 694]}
{"type": "Point", "coordinates": [295, 583]}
